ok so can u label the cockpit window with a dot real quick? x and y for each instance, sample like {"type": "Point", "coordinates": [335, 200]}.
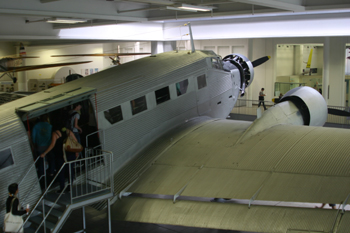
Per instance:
{"type": "Point", "coordinates": [6, 158]}
{"type": "Point", "coordinates": [138, 105]}
{"type": "Point", "coordinates": [201, 81]}
{"type": "Point", "coordinates": [216, 63]}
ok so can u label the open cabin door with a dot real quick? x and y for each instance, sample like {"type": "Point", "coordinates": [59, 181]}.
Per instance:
{"type": "Point", "coordinates": [57, 109]}
{"type": "Point", "coordinates": [55, 102]}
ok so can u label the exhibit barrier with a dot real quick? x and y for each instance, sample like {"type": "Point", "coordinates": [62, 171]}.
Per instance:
{"type": "Point", "coordinates": [248, 107]}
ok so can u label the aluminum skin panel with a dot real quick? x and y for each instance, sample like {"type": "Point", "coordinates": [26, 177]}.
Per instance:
{"type": "Point", "coordinates": [13, 136]}
{"type": "Point", "coordinates": [226, 216]}
{"type": "Point", "coordinates": [345, 223]}
{"type": "Point", "coordinates": [275, 159]}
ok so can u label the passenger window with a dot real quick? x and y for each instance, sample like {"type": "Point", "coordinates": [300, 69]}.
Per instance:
{"type": "Point", "coordinates": [202, 82]}
{"type": "Point", "coordinates": [216, 63]}
{"type": "Point", "coordinates": [114, 115]}
{"type": "Point", "coordinates": [181, 87]}
{"type": "Point", "coordinates": [138, 105]}
{"type": "Point", "coordinates": [6, 158]}
{"type": "Point", "coordinates": [162, 95]}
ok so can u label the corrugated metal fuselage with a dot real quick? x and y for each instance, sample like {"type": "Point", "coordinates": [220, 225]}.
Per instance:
{"type": "Point", "coordinates": [120, 86]}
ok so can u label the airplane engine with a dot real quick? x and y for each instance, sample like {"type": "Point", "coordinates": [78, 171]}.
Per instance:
{"type": "Point", "coordinates": [245, 67]}
{"type": "Point", "coordinates": [310, 103]}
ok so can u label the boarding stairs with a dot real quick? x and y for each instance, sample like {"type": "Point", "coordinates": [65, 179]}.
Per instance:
{"type": "Point", "coordinates": [93, 183]}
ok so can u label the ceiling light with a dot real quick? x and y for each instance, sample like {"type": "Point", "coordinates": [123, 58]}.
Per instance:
{"type": "Point", "coordinates": [178, 9]}
{"type": "Point", "coordinates": [66, 20]}
{"type": "Point", "coordinates": [196, 8]}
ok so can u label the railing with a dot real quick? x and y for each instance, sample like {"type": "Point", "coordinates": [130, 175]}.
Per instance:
{"type": "Point", "coordinates": [248, 107]}
{"type": "Point", "coordinates": [35, 182]}
{"type": "Point", "coordinates": [100, 133]}
{"type": "Point", "coordinates": [96, 177]}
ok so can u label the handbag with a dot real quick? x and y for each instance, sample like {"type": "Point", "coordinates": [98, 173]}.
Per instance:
{"type": "Point", "coordinates": [72, 145]}
{"type": "Point", "coordinates": [13, 223]}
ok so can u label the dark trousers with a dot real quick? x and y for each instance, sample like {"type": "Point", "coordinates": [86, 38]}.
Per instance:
{"type": "Point", "coordinates": [50, 158]}
{"type": "Point", "coordinates": [263, 103]}
{"type": "Point", "coordinates": [61, 177]}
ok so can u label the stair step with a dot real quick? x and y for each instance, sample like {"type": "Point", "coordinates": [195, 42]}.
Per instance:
{"type": "Point", "coordinates": [38, 219]}
{"type": "Point", "coordinates": [29, 230]}
{"type": "Point", "coordinates": [56, 213]}
{"type": "Point", "coordinates": [63, 201]}
{"type": "Point", "coordinates": [32, 229]}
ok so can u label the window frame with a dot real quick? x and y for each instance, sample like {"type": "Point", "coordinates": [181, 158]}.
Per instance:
{"type": "Point", "coordinates": [161, 100]}
{"type": "Point", "coordinates": [121, 111]}
{"type": "Point", "coordinates": [132, 108]}
{"type": "Point", "coordinates": [187, 87]}
{"type": "Point", "coordinates": [205, 79]}
{"type": "Point", "coordinates": [12, 156]}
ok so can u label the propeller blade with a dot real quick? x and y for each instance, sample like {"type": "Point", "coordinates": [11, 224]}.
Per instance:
{"type": "Point", "coordinates": [338, 112]}
{"type": "Point", "coordinates": [260, 61]}
{"type": "Point", "coordinates": [35, 67]}
{"type": "Point", "coordinates": [16, 57]}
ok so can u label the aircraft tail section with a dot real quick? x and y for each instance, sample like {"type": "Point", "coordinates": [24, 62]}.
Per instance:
{"type": "Point", "coordinates": [308, 65]}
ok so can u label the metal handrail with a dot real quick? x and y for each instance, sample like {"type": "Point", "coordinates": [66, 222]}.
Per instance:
{"type": "Point", "coordinates": [69, 184]}
{"type": "Point", "coordinates": [96, 132]}
{"type": "Point", "coordinates": [25, 176]}
{"type": "Point", "coordinates": [42, 197]}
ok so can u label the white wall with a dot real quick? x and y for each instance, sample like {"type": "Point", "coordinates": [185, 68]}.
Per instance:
{"type": "Point", "coordinates": [6, 49]}
{"type": "Point", "coordinates": [285, 60]}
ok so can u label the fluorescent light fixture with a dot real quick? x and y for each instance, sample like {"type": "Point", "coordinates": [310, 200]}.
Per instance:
{"type": "Point", "coordinates": [66, 20]}
{"type": "Point", "coordinates": [196, 8]}
{"type": "Point", "coordinates": [178, 9]}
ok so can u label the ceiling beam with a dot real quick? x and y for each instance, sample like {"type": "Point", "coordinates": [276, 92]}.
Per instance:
{"type": "Point", "coordinates": [294, 6]}
{"type": "Point", "coordinates": [76, 15]}
{"type": "Point", "coordinates": [84, 9]}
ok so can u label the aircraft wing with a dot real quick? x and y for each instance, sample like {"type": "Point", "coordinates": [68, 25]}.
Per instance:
{"type": "Point", "coordinates": [284, 171]}
{"type": "Point", "coordinates": [35, 67]}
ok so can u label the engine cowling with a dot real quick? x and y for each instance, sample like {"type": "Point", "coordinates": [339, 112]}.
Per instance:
{"type": "Point", "coordinates": [245, 67]}
{"type": "Point", "coordinates": [310, 103]}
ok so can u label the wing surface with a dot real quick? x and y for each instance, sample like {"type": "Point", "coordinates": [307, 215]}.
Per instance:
{"type": "Point", "coordinates": [283, 164]}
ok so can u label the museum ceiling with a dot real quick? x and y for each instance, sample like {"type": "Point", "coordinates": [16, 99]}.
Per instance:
{"type": "Point", "coordinates": [103, 12]}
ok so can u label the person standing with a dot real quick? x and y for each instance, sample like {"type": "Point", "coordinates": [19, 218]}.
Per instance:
{"type": "Point", "coordinates": [75, 113]}
{"type": "Point", "coordinates": [56, 146]}
{"type": "Point", "coordinates": [262, 98]}
{"type": "Point", "coordinates": [41, 138]}
{"type": "Point", "coordinates": [12, 203]}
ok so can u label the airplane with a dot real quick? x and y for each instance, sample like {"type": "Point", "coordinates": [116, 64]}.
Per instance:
{"type": "Point", "coordinates": [163, 118]}
{"type": "Point", "coordinates": [9, 65]}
